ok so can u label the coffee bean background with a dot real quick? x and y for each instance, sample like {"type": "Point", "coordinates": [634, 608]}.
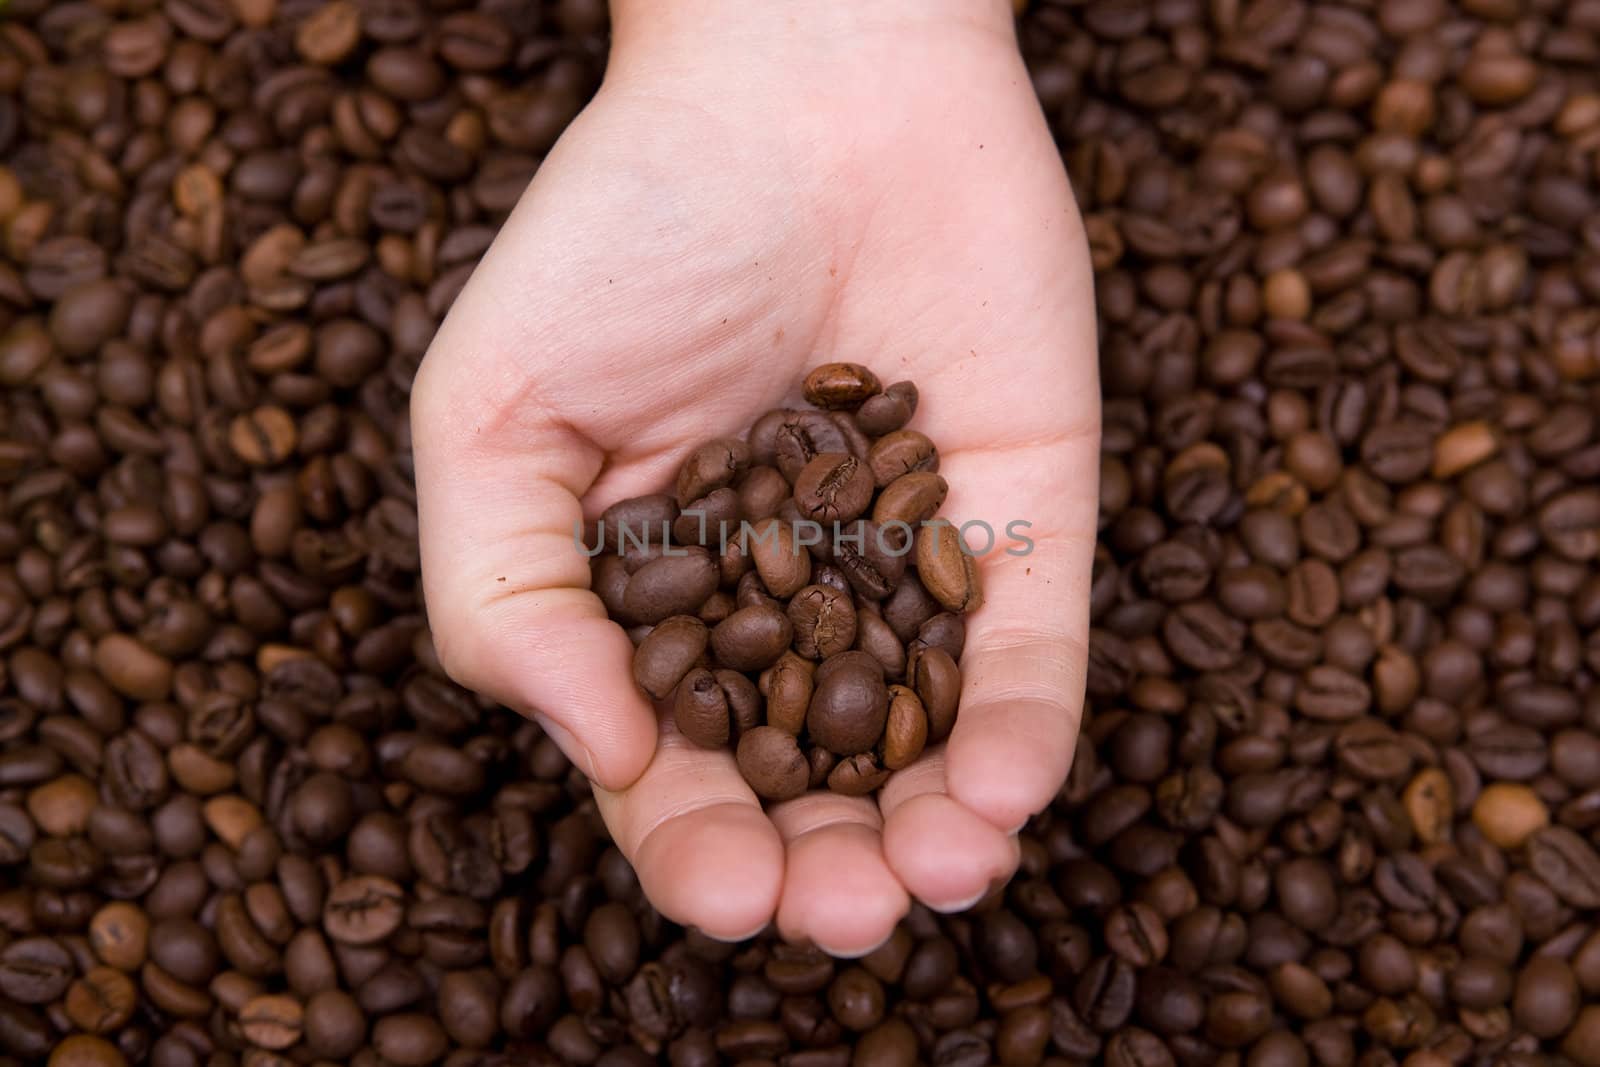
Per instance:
{"type": "Point", "coordinates": [1337, 797]}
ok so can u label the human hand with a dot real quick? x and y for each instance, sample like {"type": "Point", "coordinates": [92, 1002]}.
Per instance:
{"type": "Point", "coordinates": [756, 189]}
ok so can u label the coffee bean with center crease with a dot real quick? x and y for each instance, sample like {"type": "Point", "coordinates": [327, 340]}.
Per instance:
{"type": "Point", "coordinates": [1104, 993]}
{"type": "Point", "coordinates": [840, 385]}
{"type": "Point", "coordinates": [1566, 863]}
{"type": "Point", "coordinates": [712, 707]}
{"type": "Point", "coordinates": [901, 452]}
{"type": "Point", "coordinates": [824, 621]}
{"type": "Point", "coordinates": [947, 569]}
{"type": "Point", "coordinates": [857, 775]}
{"type": "Point", "coordinates": [102, 1001]}
{"type": "Point", "coordinates": [711, 466]}
{"type": "Point", "coordinates": [34, 970]}
{"type": "Point", "coordinates": [833, 487]}
{"type": "Point", "coordinates": [363, 909]}
{"type": "Point", "coordinates": [667, 653]}
{"type": "Point", "coordinates": [771, 761]}
{"type": "Point", "coordinates": [873, 560]}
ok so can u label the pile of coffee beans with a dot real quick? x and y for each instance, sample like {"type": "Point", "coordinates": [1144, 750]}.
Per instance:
{"type": "Point", "coordinates": [1337, 797]}
{"type": "Point", "coordinates": [773, 613]}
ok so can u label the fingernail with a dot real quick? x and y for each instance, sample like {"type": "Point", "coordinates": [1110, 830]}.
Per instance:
{"type": "Point", "coordinates": [853, 954]}
{"type": "Point", "coordinates": [734, 939]}
{"type": "Point", "coordinates": [962, 905]}
{"type": "Point", "coordinates": [575, 750]}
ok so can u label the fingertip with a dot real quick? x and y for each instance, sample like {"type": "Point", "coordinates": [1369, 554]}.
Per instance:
{"type": "Point", "coordinates": [839, 893]}
{"type": "Point", "coordinates": [718, 868]}
{"type": "Point", "coordinates": [623, 760]}
{"type": "Point", "coordinates": [1003, 771]}
{"type": "Point", "coordinates": [946, 855]}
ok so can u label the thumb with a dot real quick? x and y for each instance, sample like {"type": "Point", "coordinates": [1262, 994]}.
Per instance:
{"type": "Point", "coordinates": [506, 586]}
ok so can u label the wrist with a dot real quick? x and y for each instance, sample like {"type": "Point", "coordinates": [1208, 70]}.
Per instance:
{"type": "Point", "coordinates": [706, 28]}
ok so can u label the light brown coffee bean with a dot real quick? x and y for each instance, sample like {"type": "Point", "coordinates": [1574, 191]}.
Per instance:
{"type": "Point", "coordinates": [945, 568]}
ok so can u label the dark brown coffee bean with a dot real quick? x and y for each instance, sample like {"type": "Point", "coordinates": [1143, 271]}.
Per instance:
{"type": "Point", "coordinates": [771, 761]}
{"type": "Point", "coordinates": [34, 970]}
{"type": "Point", "coordinates": [849, 704]}
{"type": "Point", "coordinates": [409, 1040]}
{"type": "Point", "coordinates": [667, 653]}
{"type": "Point", "coordinates": [1567, 863]}
{"type": "Point", "coordinates": [1104, 994]}
{"type": "Point", "coordinates": [872, 559]}
{"type": "Point", "coordinates": [264, 437]}
{"type": "Point", "coordinates": [713, 520]}
{"type": "Point", "coordinates": [711, 466]}
{"type": "Point", "coordinates": [1202, 637]}
{"type": "Point", "coordinates": [363, 909]}
{"type": "Point", "coordinates": [752, 638]}
{"type": "Point", "coordinates": [911, 499]}
{"type": "Point", "coordinates": [908, 608]}
{"type": "Point", "coordinates": [102, 1001]}
{"type": "Point", "coordinates": [787, 685]}
{"type": "Point", "coordinates": [676, 583]}
{"type": "Point", "coordinates": [833, 488]}
{"type": "Point", "coordinates": [901, 452]}
{"type": "Point", "coordinates": [780, 559]}
{"type": "Point", "coordinates": [712, 708]}
{"type": "Point", "coordinates": [1136, 934]}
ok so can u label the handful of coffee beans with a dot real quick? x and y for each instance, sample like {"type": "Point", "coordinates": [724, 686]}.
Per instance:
{"type": "Point", "coordinates": [797, 595]}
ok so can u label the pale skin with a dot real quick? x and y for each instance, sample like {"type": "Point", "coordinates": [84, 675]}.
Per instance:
{"type": "Point", "coordinates": [760, 187]}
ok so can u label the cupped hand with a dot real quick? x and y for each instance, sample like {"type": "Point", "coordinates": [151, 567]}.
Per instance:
{"type": "Point", "coordinates": [749, 195]}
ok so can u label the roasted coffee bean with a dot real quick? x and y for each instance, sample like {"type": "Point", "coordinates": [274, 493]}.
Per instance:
{"type": "Point", "coordinates": [889, 410]}
{"type": "Point", "coordinates": [840, 385]}
{"type": "Point", "coordinates": [677, 583]}
{"type": "Point", "coordinates": [910, 499]}
{"type": "Point", "coordinates": [905, 730]}
{"type": "Point", "coordinates": [710, 467]}
{"type": "Point", "coordinates": [901, 452]}
{"type": "Point", "coordinates": [787, 686]}
{"type": "Point", "coordinates": [937, 681]}
{"type": "Point", "coordinates": [833, 487]}
{"type": "Point", "coordinates": [752, 638]}
{"type": "Point", "coordinates": [947, 569]}
{"type": "Point", "coordinates": [823, 620]}
{"type": "Point", "coordinates": [667, 653]}
{"type": "Point", "coordinates": [711, 708]}
{"type": "Point", "coordinates": [849, 705]}
{"type": "Point", "coordinates": [779, 557]}
{"type": "Point", "coordinates": [771, 761]}
{"type": "Point", "coordinates": [102, 1001]}
{"type": "Point", "coordinates": [34, 970]}
{"type": "Point", "coordinates": [363, 909]}
{"type": "Point", "coordinates": [1566, 863]}
{"type": "Point", "coordinates": [638, 522]}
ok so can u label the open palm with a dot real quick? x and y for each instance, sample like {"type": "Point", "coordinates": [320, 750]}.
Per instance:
{"type": "Point", "coordinates": [707, 230]}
